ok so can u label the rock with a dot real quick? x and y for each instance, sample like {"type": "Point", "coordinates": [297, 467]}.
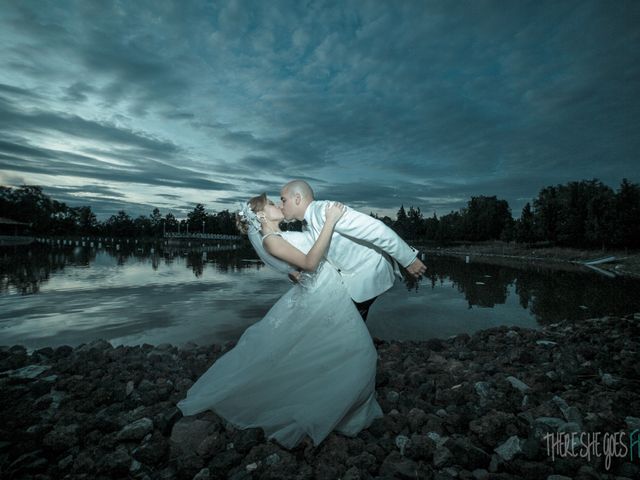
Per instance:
{"type": "Point", "coordinates": [569, 427]}
{"type": "Point", "coordinates": [363, 462]}
{"type": "Point", "coordinates": [272, 459]}
{"type": "Point", "coordinates": [551, 375]}
{"type": "Point", "coordinates": [225, 460]}
{"type": "Point", "coordinates": [480, 474]}
{"type": "Point", "coordinates": [493, 426]}
{"type": "Point", "coordinates": [416, 417]}
{"type": "Point", "coordinates": [152, 451]}
{"type": "Point", "coordinates": [392, 396]}
{"type": "Point", "coordinates": [531, 446]}
{"type": "Point", "coordinates": [509, 449]}
{"type": "Point", "coordinates": [397, 466]}
{"type": "Point", "coordinates": [352, 474]}
{"type": "Point", "coordinates": [628, 469]}
{"type": "Point", "coordinates": [116, 463]}
{"type": "Point", "coordinates": [435, 437]}
{"type": "Point", "coordinates": [466, 453]}
{"type": "Point", "coordinates": [63, 351]}
{"type": "Point", "coordinates": [482, 389]}
{"type": "Point", "coordinates": [136, 430]}
{"type": "Point", "coordinates": [401, 442]}
{"type": "Point", "coordinates": [29, 462]}
{"type": "Point", "coordinates": [435, 344]}
{"type": "Point", "coordinates": [211, 445]}
{"type": "Point", "coordinates": [187, 434]}
{"type": "Point", "coordinates": [135, 467]}
{"type": "Point", "coordinates": [203, 474]}
{"type": "Point", "coordinates": [530, 469]}
{"type": "Point", "coordinates": [518, 384]}
{"type": "Point", "coordinates": [84, 463]}
{"type": "Point", "coordinates": [442, 457]}
{"type": "Point", "coordinates": [188, 466]}
{"type": "Point", "coordinates": [65, 463]}
{"type": "Point", "coordinates": [561, 404]}
{"type": "Point", "coordinates": [62, 438]}
{"type": "Point", "coordinates": [165, 420]}
{"type": "Point", "coordinates": [548, 424]}
{"type": "Point", "coordinates": [546, 343]}
{"type": "Point", "coordinates": [494, 463]}
{"type": "Point", "coordinates": [608, 380]}
{"type": "Point", "coordinates": [587, 472]}
{"type": "Point", "coordinates": [558, 477]}
{"type": "Point", "coordinates": [245, 440]}
{"type": "Point", "coordinates": [633, 423]}
{"type": "Point", "coordinates": [326, 471]}
{"type": "Point", "coordinates": [26, 373]}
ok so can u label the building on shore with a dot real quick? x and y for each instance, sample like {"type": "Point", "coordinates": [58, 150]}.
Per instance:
{"type": "Point", "coordinates": [13, 232]}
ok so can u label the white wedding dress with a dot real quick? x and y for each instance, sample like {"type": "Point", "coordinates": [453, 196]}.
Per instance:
{"type": "Point", "coordinates": [307, 368]}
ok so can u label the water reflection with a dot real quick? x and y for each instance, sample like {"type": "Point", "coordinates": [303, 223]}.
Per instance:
{"type": "Point", "coordinates": [52, 295]}
{"type": "Point", "coordinates": [549, 292]}
{"type": "Point", "coordinates": [23, 269]}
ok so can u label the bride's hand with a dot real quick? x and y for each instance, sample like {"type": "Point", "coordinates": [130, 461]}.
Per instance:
{"type": "Point", "coordinates": [334, 211]}
{"type": "Point", "coordinates": [294, 276]}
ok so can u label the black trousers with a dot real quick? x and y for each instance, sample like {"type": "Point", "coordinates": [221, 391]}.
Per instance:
{"type": "Point", "coordinates": [363, 307]}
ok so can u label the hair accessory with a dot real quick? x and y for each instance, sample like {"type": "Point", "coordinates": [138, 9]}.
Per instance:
{"type": "Point", "coordinates": [249, 216]}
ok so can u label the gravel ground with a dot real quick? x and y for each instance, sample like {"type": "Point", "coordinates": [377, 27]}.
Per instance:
{"type": "Point", "coordinates": [481, 406]}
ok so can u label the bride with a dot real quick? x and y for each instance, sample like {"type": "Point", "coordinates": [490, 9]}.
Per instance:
{"type": "Point", "coordinates": [309, 366]}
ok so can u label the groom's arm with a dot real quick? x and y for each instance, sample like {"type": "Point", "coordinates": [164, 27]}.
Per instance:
{"type": "Point", "coordinates": [363, 227]}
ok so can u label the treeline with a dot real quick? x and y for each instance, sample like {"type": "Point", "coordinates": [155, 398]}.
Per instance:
{"type": "Point", "coordinates": [50, 217]}
{"type": "Point", "coordinates": [580, 214]}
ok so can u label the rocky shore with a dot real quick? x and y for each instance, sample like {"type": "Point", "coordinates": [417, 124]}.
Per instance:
{"type": "Point", "coordinates": [469, 407]}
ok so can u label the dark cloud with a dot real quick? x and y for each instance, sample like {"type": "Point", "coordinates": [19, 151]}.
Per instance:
{"type": "Point", "coordinates": [77, 92]}
{"type": "Point", "coordinates": [62, 163]}
{"type": "Point", "coordinates": [376, 104]}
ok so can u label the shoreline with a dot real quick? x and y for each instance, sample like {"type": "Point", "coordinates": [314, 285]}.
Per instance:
{"type": "Point", "coordinates": [626, 263]}
{"type": "Point", "coordinates": [470, 407]}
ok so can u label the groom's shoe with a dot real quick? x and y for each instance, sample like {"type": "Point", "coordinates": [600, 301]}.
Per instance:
{"type": "Point", "coordinates": [363, 307]}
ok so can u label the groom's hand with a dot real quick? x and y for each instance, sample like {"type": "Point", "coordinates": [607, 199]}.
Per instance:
{"type": "Point", "coordinates": [416, 269]}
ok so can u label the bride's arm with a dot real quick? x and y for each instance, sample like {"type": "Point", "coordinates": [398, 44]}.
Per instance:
{"type": "Point", "coordinates": [280, 248]}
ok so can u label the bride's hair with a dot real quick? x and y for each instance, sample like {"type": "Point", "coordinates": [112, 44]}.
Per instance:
{"type": "Point", "coordinates": [257, 205]}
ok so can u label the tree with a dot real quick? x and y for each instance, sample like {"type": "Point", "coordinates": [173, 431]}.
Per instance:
{"type": "Point", "coordinates": [196, 218]}
{"type": "Point", "coordinates": [415, 223]}
{"type": "Point", "coordinates": [155, 223]}
{"type": "Point", "coordinates": [525, 226]}
{"type": "Point", "coordinates": [401, 225]}
{"type": "Point", "coordinates": [87, 222]}
{"type": "Point", "coordinates": [627, 206]}
{"type": "Point", "coordinates": [142, 226]}
{"type": "Point", "coordinates": [226, 223]}
{"type": "Point", "coordinates": [601, 216]}
{"type": "Point", "coordinates": [431, 227]}
{"type": "Point", "coordinates": [170, 223]}
{"type": "Point", "coordinates": [120, 225]}
{"type": "Point", "coordinates": [450, 227]}
{"type": "Point", "coordinates": [485, 218]}
{"type": "Point", "coordinates": [546, 214]}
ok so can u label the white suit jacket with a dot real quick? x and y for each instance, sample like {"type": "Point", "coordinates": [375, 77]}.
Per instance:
{"type": "Point", "coordinates": [362, 249]}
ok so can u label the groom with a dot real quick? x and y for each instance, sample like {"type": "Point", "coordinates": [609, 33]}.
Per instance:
{"type": "Point", "coordinates": [361, 247]}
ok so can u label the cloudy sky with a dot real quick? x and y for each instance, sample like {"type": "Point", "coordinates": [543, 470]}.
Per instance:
{"type": "Point", "coordinates": [131, 105]}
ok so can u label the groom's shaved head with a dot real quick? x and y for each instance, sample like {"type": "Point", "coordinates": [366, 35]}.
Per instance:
{"type": "Point", "coordinates": [296, 197]}
{"type": "Point", "coordinates": [301, 187]}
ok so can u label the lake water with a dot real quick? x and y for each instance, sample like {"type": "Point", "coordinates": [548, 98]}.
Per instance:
{"type": "Point", "coordinates": [57, 295]}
